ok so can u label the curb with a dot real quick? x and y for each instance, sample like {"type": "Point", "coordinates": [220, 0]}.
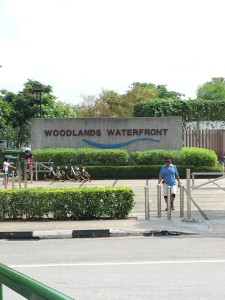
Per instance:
{"type": "Point", "coordinates": [88, 233]}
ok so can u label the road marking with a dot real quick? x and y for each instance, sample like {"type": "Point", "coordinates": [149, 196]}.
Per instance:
{"type": "Point", "coordinates": [210, 261]}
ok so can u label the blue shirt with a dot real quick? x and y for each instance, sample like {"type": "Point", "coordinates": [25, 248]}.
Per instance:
{"type": "Point", "coordinates": [169, 174]}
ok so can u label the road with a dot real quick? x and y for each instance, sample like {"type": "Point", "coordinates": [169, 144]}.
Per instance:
{"type": "Point", "coordinates": [179, 267]}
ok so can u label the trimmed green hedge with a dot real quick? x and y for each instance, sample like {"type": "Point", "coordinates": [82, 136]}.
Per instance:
{"type": "Point", "coordinates": [197, 110]}
{"type": "Point", "coordinates": [66, 203]}
{"type": "Point", "coordinates": [142, 172]}
{"type": "Point", "coordinates": [94, 157]}
{"type": "Point", "coordinates": [83, 156]}
{"type": "Point", "coordinates": [121, 164]}
{"type": "Point", "coordinates": [187, 156]}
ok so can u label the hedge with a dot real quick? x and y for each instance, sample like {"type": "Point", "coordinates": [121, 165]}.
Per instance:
{"type": "Point", "coordinates": [83, 156]}
{"type": "Point", "coordinates": [66, 203]}
{"type": "Point", "coordinates": [95, 157]}
{"type": "Point", "coordinates": [143, 172]}
{"type": "Point", "coordinates": [121, 164]}
{"type": "Point", "coordinates": [187, 156]}
{"type": "Point", "coordinates": [197, 110]}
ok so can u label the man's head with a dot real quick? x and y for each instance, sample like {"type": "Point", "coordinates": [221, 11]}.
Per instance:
{"type": "Point", "coordinates": [167, 160]}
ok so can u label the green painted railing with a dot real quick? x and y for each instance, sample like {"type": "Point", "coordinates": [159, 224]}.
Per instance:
{"type": "Point", "coordinates": [26, 286]}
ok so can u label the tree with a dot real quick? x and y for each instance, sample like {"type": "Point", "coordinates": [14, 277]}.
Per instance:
{"type": "Point", "coordinates": [158, 91]}
{"type": "Point", "coordinates": [60, 109]}
{"type": "Point", "coordinates": [23, 106]}
{"type": "Point", "coordinates": [212, 90]}
{"type": "Point", "coordinates": [107, 104]}
{"type": "Point", "coordinates": [163, 93]}
{"type": "Point", "coordinates": [110, 104]}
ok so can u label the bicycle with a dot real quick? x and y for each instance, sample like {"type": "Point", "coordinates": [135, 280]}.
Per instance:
{"type": "Point", "coordinates": [73, 173]}
{"type": "Point", "coordinates": [84, 174]}
{"type": "Point", "coordinates": [77, 173]}
{"type": "Point", "coordinates": [222, 161]}
{"type": "Point", "coordinates": [51, 174]}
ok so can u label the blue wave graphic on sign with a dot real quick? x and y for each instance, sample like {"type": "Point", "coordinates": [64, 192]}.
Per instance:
{"type": "Point", "coordinates": [118, 144]}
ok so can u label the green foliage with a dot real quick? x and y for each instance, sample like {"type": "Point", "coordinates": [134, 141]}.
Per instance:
{"type": "Point", "coordinates": [212, 90]}
{"type": "Point", "coordinates": [198, 157]}
{"type": "Point", "coordinates": [160, 91]}
{"type": "Point", "coordinates": [60, 110]}
{"type": "Point", "coordinates": [84, 156]}
{"type": "Point", "coordinates": [109, 103]}
{"type": "Point", "coordinates": [187, 156]}
{"type": "Point", "coordinates": [18, 109]}
{"type": "Point", "coordinates": [143, 171]}
{"type": "Point", "coordinates": [66, 203]}
{"type": "Point", "coordinates": [197, 110]}
{"type": "Point", "coordinates": [153, 157]}
{"type": "Point", "coordinates": [120, 164]}
{"type": "Point", "coordinates": [163, 93]}
{"type": "Point", "coordinates": [101, 163]}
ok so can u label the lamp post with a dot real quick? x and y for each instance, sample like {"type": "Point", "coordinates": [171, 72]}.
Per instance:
{"type": "Point", "coordinates": [38, 89]}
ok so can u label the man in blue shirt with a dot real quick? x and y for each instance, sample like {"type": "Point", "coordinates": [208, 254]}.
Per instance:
{"type": "Point", "coordinates": [168, 175]}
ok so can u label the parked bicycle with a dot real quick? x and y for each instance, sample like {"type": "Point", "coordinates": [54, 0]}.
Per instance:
{"type": "Point", "coordinates": [84, 174]}
{"type": "Point", "coordinates": [77, 173]}
{"type": "Point", "coordinates": [51, 174]}
{"type": "Point", "coordinates": [222, 161]}
{"type": "Point", "coordinates": [73, 173]}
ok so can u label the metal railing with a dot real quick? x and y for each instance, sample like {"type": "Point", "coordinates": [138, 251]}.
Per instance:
{"type": "Point", "coordinates": [220, 174]}
{"type": "Point", "coordinates": [26, 286]}
{"type": "Point", "coordinates": [23, 171]}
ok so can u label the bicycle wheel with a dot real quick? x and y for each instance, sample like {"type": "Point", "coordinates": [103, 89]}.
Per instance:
{"type": "Point", "coordinates": [77, 174]}
{"type": "Point", "coordinates": [70, 174]}
{"type": "Point", "coordinates": [62, 176]}
{"type": "Point", "coordinates": [79, 177]}
{"type": "Point", "coordinates": [85, 175]}
{"type": "Point", "coordinates": [49, 175]}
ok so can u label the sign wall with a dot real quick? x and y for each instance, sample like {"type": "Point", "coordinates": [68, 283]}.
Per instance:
{"type": "Point", "coordinates": [131, 134]}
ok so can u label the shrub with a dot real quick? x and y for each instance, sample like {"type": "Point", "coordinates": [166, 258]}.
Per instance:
{"type": "Point", "coordinates": [66, 203]}
{"type": "Point", "coordinates": [142, 172]}
{"type": "Point", "coordinates": [84, 156]}
{"type": "Point", "coordinates": [187, 156]}
{"type": "Point", "coordinates": [120, 164]}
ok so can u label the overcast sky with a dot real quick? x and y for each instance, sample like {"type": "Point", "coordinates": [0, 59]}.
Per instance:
{"type": "Point", "coordinates": [81, 46]}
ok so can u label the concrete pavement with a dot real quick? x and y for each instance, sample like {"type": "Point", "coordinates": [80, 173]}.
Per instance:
{"type": "Point", "coordinates": [207, 214]}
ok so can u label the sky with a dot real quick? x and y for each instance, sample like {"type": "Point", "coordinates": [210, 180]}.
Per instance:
{"type": "Point", "coordinates": [80, 47]}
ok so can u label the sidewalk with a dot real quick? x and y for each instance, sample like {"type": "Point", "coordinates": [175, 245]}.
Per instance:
{"type": "Point", "coordinates": [210, 204]}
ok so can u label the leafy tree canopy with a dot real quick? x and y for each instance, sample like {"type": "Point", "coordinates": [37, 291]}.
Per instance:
{"type": "Point", "coordinates": [18, 109]}
{"type": "Point", "coordinates": [212, 90]}
{"type": "Point", "coordinates": [161, 91]}
{"type": "Point", "coordinates": [109, 103]}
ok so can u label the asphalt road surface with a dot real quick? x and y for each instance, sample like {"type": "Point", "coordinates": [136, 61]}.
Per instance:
{"type": "Point", "coordinates": [179, 267]}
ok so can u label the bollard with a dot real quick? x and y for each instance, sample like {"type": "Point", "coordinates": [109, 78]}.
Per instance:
{"type": "Point", "coordinates": [25, 174]}
{"type": "Point", "coordinates": [193, 180]}
{"type": "Point", "coordinates": [19, 173]}
{"type": "Point", "coordinates": [147, 215]}
{"type": "Point", "coordinates": [36, 172]}
{"type": "Point", "coordinates": [188, 194]}
{"type": "Point", "coordinates": [169, 202]}
{"type": "Point", "coordinates": [31, 174]}
{"type": "Point", "coordinates": [159, 200]}
{"type": "Point", "coordinates": [13, 186]}
{"type": "Point", "coordinates": [181, 201]}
